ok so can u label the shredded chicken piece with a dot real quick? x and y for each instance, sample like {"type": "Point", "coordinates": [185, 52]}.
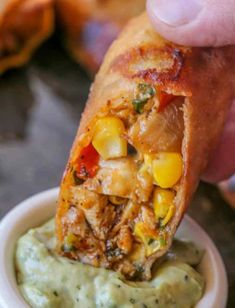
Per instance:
{"type": "Point", "coordinates": [166, 126]}
{"type": "Point", "coordinates": [148, 217]}
{"type": "Point", "coordinates": [98, 212]}
{"type": "Point", "coordinates": [88, 249]}
{"type": "Point", "coordinates": [125, 240]}
{"type": "Point", "coordinates": [115, 177]}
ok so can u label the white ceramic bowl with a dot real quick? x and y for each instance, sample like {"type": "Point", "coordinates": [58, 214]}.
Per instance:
{"type": "Point", "coordinates": [41, 207]}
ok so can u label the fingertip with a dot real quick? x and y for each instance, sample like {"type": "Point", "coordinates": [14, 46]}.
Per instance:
{"type": "Point", "coordinates": [179, 33]}
{"type": "Point", "coordinates": [175, 13]}
{"type": "Point", "coordinates": [195, 24]}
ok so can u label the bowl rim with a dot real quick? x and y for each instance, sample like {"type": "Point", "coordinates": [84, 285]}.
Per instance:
{"type": "Point", "coordinates": [17, 222]}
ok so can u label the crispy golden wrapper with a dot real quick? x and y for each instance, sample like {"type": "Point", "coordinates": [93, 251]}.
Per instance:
{"type": "Point", "coordinates": [93, 228]}
{"type": "Point", "coordinates": [24, 24]}
{"type": "Point", "coordinates": [91, 26]}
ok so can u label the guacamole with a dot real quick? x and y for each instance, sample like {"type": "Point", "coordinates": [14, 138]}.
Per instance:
{"type": "Point", "coordinates": [49, 281]}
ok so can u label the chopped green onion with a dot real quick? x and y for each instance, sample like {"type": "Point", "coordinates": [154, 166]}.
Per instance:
{"type": "Point", "coordinates": [162, 241]}
{"type": "Point", "coordinates": [67, 248]}
{"type": "Point", "coordinates": [139, 105]}
{"type": "Point", "coordinates": [146, 91]}
{"type": "Point", "coordinates": [69, 242]}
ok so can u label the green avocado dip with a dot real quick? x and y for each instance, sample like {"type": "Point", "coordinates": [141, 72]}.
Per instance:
{"type": "Point", "coordinates": [49, 281]}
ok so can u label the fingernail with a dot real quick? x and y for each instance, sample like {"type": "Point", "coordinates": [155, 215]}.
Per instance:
{"type": "Point", "coordinates": [175, 12]}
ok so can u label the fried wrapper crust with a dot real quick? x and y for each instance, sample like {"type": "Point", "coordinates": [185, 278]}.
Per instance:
{"type": "Point", "coordinates": [204, 76]}
{"type": "Point", "coordinates": [24, 25]}
{"type": "Point", "coordinates": [91, 26]}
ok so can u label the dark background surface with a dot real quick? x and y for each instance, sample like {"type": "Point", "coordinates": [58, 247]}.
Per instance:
{"type": "Point", "coordinates": [40, 108]}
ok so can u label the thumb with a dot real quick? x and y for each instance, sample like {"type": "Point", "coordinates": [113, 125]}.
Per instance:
{"type": "Point", "coordinates": [222, 163]}
{"type": "Point", "coordinates": [194, 22]}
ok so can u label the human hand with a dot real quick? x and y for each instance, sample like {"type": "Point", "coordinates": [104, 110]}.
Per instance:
{"type": "Point", "coordinates": [202, 23]}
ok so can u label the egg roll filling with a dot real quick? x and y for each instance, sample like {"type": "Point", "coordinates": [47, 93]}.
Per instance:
{"type": "Point", "coordinates": [124, 182]}
{"type": "Point", "coordinates": [23, 26]}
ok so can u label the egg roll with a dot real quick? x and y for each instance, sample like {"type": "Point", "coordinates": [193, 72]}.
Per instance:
{"type": "Point", "coordinates": [24, 25]}
{"type": "Point", "coordinates": [90, 26]}
{"type": "Point", "coordinates": [153, 117]}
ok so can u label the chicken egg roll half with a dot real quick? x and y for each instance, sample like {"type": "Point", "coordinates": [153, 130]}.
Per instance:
{"type": "Point", "coordinates": [154, 114]}
{"type": "Point", "coordinates": [24, 24]}
{"type": "Point", "coordinates": [90, 26]}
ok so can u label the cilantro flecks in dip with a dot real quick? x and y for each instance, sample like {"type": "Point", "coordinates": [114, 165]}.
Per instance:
{"type": "Point", "coordinates": [49, 281]}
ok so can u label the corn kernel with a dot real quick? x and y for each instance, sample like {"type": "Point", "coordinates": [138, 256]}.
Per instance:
{"type": "Point", "coordinates": [137, 253]}
{"type": "Point", "coordinates": [107, 139]}
{"type": "Point", "coordinates": [162, 200]}
{"type": "Point", "coordinates": [143, 232]}
{"type": "Point", "coordinates": [155, 245]}
{"type": "Point", "coordinates": [139, 231]}
{"type": "Point", "coordinates": [169, 215]}
{"type": "Point", "coordinates": [152, 241]}
{"type": "Point", "coordinates": [152, 248]}
{"type": "Point", "coordinates": [167, 169]}
{"type": "Point", "coordinates": [69, 242]}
